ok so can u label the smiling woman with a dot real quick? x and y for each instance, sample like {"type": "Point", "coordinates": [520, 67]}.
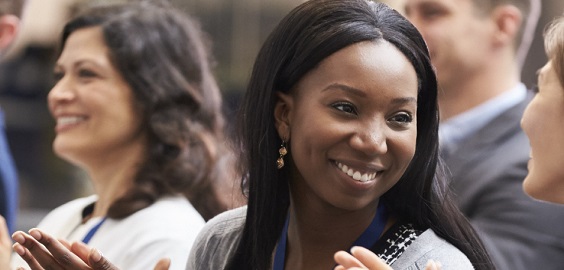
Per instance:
{"type": "Point", "coordinates": [542, 122]}
{"type": "Point", "coordinates": [346, 126]}
{"type": "Point", "coordinates": [138, 109]}
{"type": "Point", "coordinates": [346, 90]}
{"type": "Point", "coordinates": [89, 132]}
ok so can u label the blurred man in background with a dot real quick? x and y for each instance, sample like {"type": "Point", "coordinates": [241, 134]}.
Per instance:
{"type": "Point", "coordinates": [477, 47]}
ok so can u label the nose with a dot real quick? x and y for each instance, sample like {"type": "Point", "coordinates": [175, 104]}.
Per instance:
{"type": "Point", "coordinates": [370, 139]}
{"type": "Point", "coordinates": [61, 92]}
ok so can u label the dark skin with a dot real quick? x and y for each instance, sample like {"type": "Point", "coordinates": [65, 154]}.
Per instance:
{"type": "Point", "coordinates": [41, 251]}
{"type": "Point", "coordinates": [338, 116]}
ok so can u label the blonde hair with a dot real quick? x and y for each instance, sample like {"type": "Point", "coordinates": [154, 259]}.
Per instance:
{"type": "Point", "coordinates": [554, 46]}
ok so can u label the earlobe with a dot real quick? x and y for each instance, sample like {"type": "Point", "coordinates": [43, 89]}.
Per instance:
{"type": "Point", "coordinates": [283, 115]}
{"type": "Point", "coordinates": [8, 28]}
{"type": "Point", "coordinates": [508, 20]}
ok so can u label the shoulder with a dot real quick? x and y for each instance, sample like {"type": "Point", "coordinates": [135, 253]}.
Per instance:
{"type": "Point", "coordinates": [224, 229]}
{"type": "Point", "coordinates": [166, 228]}
{"type": "Point", "coordinates": [77, 204]}
{"type": "Point", "coordinates": [70, 210]}
{"type": "Point", "coordinates": [430, 246]}
{"type": "Point", "coordinates": [170, 218]}
{"type": "Point", "coordinates": [218, 240]}
{"type": "Point", "coordinates": [227, 221]}
{"type": "Point", "coordinates": [170, 208]}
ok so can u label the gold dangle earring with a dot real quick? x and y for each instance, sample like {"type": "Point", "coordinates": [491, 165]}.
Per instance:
{"type": "Point", "coordinates": [282, 151]}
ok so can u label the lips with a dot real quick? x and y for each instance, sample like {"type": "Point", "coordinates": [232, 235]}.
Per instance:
{"type": "Point", "coordinates": [357, 175]}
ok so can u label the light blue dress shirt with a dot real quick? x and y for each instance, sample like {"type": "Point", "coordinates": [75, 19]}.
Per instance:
{"type": "Point", "coordinates": [456, 129]}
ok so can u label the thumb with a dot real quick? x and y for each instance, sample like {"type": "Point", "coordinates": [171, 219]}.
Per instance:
{"type": "Point", "coordinates": [98, 262]}
{"type": "Point", "coordinates": [163, 264]}
{"type": "Point", "coordinates": [369, 259]}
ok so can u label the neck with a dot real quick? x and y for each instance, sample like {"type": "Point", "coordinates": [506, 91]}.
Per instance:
{"type": "Point", "coordinates": [113, 176]}
{"type": "Point", "coordinates": [315, 234]}
{"type": "Point", "coordinates": [472, 89]}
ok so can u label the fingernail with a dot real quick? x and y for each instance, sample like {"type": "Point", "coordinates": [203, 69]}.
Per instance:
{"type": "Point", "coordinates": [96, 255]}
{"type": "Point", "coordinates": [18, 237]}
{"type": "Point", "coordinates": [18, 249]}
{"type": "Point", "coordinates": [35, 234]}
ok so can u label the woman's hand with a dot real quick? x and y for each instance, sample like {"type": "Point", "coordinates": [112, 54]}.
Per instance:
{"type": "Point", "coordinates": [98, 262]}
{"type": "Point", "coordinates": [42, 251]}
{"type": "Point", "coordinates": [362, 258]}
{"type": "Point", "coordinates": [5, 245]}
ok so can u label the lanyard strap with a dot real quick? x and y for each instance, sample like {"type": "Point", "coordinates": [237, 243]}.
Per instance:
{"type": "Point", "coordinates": [280, 254]}
{"type": "Point", "coordinates": [93, 231]}
{"type": "Point", "coordinates": [367, 239]}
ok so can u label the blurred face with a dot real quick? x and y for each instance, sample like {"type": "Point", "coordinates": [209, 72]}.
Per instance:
{"type": "Point", "coordinates": [542, 122]}
{"type": "Point", "coordinates": [457, 37]}
{"type": "Point", "coordinates": [352, 127]}
{"type": "Point", "coordinates": [9, 25]}
{"type": "Point", "coordinates": [91, 103]}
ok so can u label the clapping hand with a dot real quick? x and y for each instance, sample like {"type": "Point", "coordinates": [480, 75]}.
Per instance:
{"type": "Point", "coordinates": [363, 259]}
{"type": "Point", "coordinates": [42, 251]}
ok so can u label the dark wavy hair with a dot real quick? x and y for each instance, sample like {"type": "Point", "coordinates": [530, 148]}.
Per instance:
{"type": "Point", "coordinates": [160, 53]}
{"type": "Point", "coordinates": [305, 37]}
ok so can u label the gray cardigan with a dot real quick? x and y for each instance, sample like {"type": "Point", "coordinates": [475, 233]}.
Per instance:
{"type": "Point", "coordinates": [217, 242]}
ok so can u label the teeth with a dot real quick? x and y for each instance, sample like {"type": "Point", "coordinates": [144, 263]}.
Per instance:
{"type": "Point", "coordinates": [356, 175]}
{"type": "Point", "coordinates": [69, 120]}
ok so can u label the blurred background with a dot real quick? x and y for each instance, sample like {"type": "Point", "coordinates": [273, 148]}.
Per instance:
{"type": "Point", "coordinates": [236, 28]}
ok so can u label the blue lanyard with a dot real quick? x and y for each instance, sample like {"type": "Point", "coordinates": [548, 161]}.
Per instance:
{"type": "Point", "coordinates": [93, 231]}
{"type": "Point", "coordinates": [367, 239]}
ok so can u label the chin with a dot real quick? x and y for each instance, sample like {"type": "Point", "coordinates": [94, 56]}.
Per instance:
{"type": "Point", "coordinates": [64, 152]}
{"type": "Point", "coordinates": [353, 204]}
{"type": "Point", "coordinates": [543, 189]}
{"type": "Point", "coordinates": [530, 187]}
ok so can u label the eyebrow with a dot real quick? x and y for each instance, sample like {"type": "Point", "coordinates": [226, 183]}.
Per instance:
{"type": "Point", "coordinates": [342, 87]}
{"type": "Point", "coordinates": [360, 93]}
{"type": "Point", "coordinates": [80, 62]}
{"type": "Point", "coordinates": [404, 100]}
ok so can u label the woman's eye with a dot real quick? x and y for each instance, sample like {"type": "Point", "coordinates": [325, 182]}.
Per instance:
{"type": "Point", "coordinates": [402, 118]}
{"type": "Point", "coordinates": [84, 73]}
{"type": "Point", "coordinates": [345, 107]}
{"type": "Point", "coordinates": [430, 13]}
{"type": "Point", "coordinates": [57, 75]}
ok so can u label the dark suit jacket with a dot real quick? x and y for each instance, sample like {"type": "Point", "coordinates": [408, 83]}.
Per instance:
{"type": "Point", "coordinates": [487, 172]}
